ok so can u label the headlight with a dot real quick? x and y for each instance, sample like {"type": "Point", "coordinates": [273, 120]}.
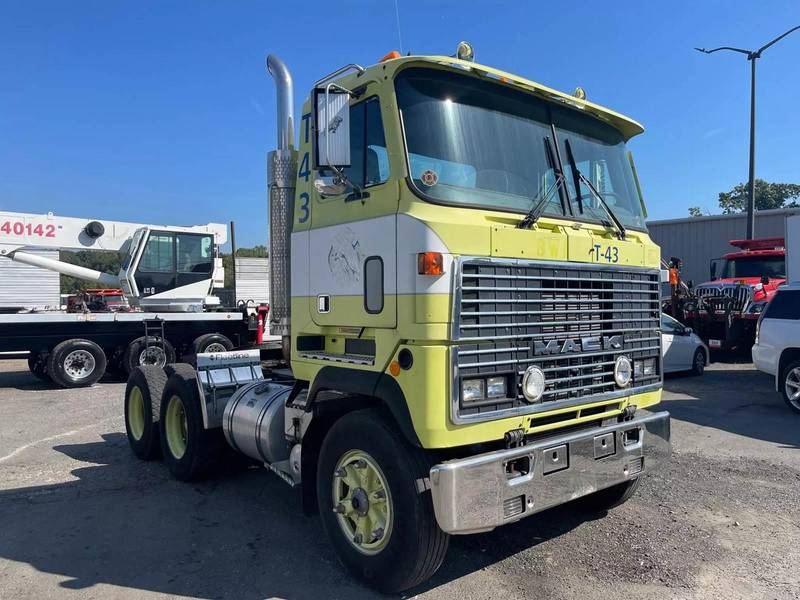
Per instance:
{"type": "Point", "coordinates": [756, 308]}
{"type": "Point", "coordinates": [533, 384]}
{"type": "Point", "coordinates": [496, 387]}
{"type": "Point", "coordinates": [472, 389]}
{"type": "Point", "coordinates": [644, 368]}
{"type": "Point", "coordinates": [623, 371]}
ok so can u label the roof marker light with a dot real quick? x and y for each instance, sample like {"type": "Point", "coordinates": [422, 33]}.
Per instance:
{"type": "Point", "coordinates": [390, 56]}
{"type": "Point", "coordinates": [464, 51]}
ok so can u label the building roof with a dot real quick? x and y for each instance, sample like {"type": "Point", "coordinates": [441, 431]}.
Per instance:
{"type": "Point", "coordinates": [773, 211]}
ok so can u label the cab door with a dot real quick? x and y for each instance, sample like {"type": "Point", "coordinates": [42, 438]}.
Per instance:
{"type": "Point", "coordinates": [353, 236]}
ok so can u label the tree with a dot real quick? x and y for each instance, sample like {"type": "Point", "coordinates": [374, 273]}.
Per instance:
{"type": "Point", "coordinates": [694, 211]}
{"type": "Point", "coordinates": [107, 262]}
{"type": "Point", "coordinates": [768, 195]}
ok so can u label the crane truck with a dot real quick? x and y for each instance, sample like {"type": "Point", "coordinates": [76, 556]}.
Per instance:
{"type": "Point", "coordinates": [469, 301]}
{"type": "Point", "coordinates": [168, 274]}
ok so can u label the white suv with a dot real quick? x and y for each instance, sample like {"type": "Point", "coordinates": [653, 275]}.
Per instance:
{"type": "Point", "coordinates": [777, 347]}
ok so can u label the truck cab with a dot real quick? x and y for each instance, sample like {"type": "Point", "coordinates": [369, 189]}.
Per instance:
{"type": "Point", "coordinates": [725, 309]}
{"type": "Point", "coordinates": [469, 304]}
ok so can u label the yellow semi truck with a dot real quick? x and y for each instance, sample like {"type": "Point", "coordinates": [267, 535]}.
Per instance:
{"type": "Point", "coordinates": [469, 302]}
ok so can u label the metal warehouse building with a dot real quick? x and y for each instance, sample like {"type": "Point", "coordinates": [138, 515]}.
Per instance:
{"type": "Point", "coordinates": [25, 287]}
{"type": "Point", "coordinates": [696, 240]}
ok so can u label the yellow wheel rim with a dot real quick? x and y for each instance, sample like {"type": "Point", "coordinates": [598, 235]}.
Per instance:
{"type": "Point", "coordinates": [176, 427]}
{"type": "Point", "coordinates": [362, 502]}
{"type": "Point", "coordinates": [136, 413]}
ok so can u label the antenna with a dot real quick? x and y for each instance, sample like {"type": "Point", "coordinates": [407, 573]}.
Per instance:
{"type": "Point", "coordinates": [397, 17]}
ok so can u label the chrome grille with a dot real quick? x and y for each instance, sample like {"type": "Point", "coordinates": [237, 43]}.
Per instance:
{"type": "Point", "coordinates": [504, 307]}
{"type": "Point", "coordinates": [724, 297]}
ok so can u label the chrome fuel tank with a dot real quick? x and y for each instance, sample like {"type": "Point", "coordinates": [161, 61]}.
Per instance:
{"type": "Point", "coordinates": [253, 421]}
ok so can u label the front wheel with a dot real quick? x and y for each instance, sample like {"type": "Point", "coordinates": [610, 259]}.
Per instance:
{"type": "Point", "coordinates": [699, 362]}
{"type": "Point", "coordinates": [382, 527]}
{"type": "Point", "coordinates": [791, 385]}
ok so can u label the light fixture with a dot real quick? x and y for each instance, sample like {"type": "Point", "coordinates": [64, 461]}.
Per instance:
{"type": "Point", "coordinates": [579, 93]}
{"type": "Point", "coordinates": [464, 51]}
{"type": "Point", "coordinates": [623, 371]}
{"type": "Point", "coordinates": [533, 384]}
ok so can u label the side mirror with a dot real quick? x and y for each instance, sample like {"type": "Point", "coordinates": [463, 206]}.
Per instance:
{"type": "Point", "coordinates": [688, 331]}
{"type": "Point", "coordinates": [332, 120]}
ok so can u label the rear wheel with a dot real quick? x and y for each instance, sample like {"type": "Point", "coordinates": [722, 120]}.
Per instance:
{"type": "Point", "coordinates": [76, 363]}
{"type": "Point", "coordinates": [142, 408]}
{"type": "Point", "coordinates": [610, 497]}
{"type": "Point", "coordinates": [382, 528]}
{"type": "Point", "coordinates": [187, 446]}
{"type": "Point", "coordinates": [209, 342]}
{"type": "Point", "coordinates": [38, 366]}
{"type": "Point", "coordinates": [150, 351]}
{"type": "Point", "coordinates": [791, 385]}
{"type": "Point", "coordinates": [699, 362]}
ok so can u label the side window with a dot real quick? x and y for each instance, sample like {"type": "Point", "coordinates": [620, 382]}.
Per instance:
{"type": "Point", "coordinates": [785, 305]}
{"type": "Point", "coordinates": [194, 253]}
{"type": "Point", "coordinates": [670, 326]}
{"type": "Point", "coordinates": [369, 160]}
{"type": "Point", "coordinates": [158, 255]}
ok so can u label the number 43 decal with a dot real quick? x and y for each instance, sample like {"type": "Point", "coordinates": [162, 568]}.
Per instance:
{"type": "Point", "coordinates": [608, 254]}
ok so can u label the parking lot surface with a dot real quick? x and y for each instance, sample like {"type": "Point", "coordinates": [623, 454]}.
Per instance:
{"type": "Point", "coordinates": [80, 517]}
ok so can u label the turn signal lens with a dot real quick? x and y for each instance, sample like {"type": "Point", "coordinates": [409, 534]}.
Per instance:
{"type": "Point", "coordinates": [430, 263]}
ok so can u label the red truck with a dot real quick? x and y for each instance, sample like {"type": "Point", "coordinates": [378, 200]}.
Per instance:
{"type": "Point", "coordinates": [725, 310]}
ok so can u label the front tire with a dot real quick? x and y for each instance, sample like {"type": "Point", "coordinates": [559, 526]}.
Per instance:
{"type": "Point", "coordinates": [142, 411]}
{"type": "Point", "coordinates": [383, 530]}
{"type": "Point", "coordinates": [76, 363]}
{"type": "Point", "coordinates": [791, 386]}
{"type": "Point", "coordinates": [698, 362]}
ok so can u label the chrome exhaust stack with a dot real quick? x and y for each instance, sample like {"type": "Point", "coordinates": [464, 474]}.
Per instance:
{"type": "Point", "coordinates": [281, 173]}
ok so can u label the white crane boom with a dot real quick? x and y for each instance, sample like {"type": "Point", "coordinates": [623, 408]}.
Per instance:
{"type": "Point", "coordinates": [167, 267]}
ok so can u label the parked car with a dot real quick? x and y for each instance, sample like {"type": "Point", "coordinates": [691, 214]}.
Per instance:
{"type": "Point", "coordinates": [777, 347]}
{"type": "Point", "coordinates": [681, 348]}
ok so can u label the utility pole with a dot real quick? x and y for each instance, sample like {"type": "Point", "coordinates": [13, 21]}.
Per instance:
{"type": "Point", "coordinates": [752, 56]}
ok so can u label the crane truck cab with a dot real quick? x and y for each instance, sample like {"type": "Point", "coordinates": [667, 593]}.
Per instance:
{"type": "Point", "coordinates": [469, 301]}
{"type": "Point", "coordinates": [725, 310]}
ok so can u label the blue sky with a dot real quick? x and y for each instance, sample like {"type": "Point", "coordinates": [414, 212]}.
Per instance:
{"type": "Point", "coordinates": [162, 111]}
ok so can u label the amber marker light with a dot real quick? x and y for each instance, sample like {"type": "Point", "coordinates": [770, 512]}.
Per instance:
{"type": "Point", "coordinates": [430, 263]}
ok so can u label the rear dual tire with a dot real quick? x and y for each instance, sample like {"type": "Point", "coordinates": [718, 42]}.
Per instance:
{"type": "Point", "coordinates": [142, 411]}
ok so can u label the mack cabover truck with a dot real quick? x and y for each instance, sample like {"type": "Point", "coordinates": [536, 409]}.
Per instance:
{"type": "Point", "coordinates": [469, 302]}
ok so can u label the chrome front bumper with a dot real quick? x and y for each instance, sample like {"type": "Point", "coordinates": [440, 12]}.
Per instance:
{"type": "Point", "coordinates": [484, 491]}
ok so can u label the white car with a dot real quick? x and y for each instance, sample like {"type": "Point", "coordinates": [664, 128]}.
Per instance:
{"type": "Point", "coordinates": [681, 348]}
{"type": "Point", "coordinates": [777, 347]}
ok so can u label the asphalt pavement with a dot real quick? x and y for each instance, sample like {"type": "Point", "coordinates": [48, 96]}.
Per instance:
{"type": "Point", "coordinates": [80, 517]}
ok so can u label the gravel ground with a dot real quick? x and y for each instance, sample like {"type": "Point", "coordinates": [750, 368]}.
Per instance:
{"type": "Point", "coordinates": [80, 517]}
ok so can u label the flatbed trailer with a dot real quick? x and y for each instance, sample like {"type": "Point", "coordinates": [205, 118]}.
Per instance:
{"type": "Point", "coordinates": [76, 349]}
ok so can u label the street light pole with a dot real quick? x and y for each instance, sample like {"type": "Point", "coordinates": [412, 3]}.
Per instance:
{"type": "Point", "coordinates": [752, 56]}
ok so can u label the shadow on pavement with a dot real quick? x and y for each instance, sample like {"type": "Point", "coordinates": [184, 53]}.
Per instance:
{"type": "Point", "coordinates": [241, 534]}
{"type": "Point", "coordinates": [737, 400]}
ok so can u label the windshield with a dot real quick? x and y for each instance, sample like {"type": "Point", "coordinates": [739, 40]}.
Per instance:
{"type": "Point", "coordinates": [474, 142]}
{"type": "Point", "coordinates": [773, 267]}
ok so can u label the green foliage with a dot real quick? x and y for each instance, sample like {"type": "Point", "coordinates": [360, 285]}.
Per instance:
{"type": "Point", "coordinates": [768, 195]}
{"type": "Point", "coordinates": [694, 211]}
{"type": "Point", "coordinates": [107, 262]}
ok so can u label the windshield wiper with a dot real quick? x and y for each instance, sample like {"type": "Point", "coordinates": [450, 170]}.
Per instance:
{"type": "Point", "coordinates": [540, 201]}
{"type": "Point", "coordinates": [580, 177]}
